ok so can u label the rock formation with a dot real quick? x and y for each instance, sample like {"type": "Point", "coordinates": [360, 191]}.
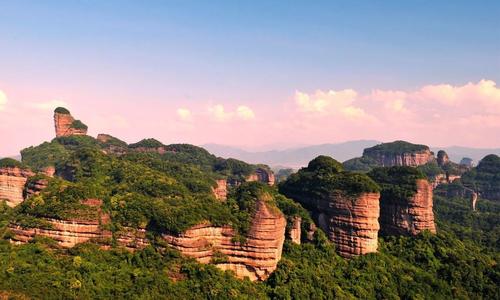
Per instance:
{"type": "Point", "coordinates": [262, 175]}
{"type": "Point", "coordinates": [399, 153]}
{"type": "Point", "coordinates": [294, 233]}
{"type": "Point", "coordinates": [66, 125]}
{"type": "Point", "coordinates": [350, 222]}
{"type": "Point", "coordinates": [220, 190]}
{"type": "Point", "coordinates": [467, 162]}
{"type": "Point", "coordinates": [442, 158]}
{"type": "Point", "coordinates": [67, 233]}
{"type": "Point", "coordinates": [112, 145]}
{"type": "Point", "coordinates": [34, 186]}
{"type": "Point", "coordinates": [12, 181]}
{"type": "Point", "coordinates": [408, 216]}
{"type": "Point", "coordinates": [256, 258]}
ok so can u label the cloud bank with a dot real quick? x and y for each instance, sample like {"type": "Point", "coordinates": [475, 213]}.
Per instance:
{"type": "Point", "coordinates": [436, 114]}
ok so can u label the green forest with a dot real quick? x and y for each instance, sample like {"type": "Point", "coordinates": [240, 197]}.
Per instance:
{"type": "Point", "coordinates": [171, 192]}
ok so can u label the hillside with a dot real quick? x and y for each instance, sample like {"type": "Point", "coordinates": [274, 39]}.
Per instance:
{"type": "Point", "coordinates": [97, 218]}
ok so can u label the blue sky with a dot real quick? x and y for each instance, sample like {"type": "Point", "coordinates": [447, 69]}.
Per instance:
{"type": "Point", "coordinates": [256, 52]}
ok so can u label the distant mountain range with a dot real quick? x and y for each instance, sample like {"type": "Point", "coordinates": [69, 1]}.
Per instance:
{"type": "Point", "coordinates": [299, 157]}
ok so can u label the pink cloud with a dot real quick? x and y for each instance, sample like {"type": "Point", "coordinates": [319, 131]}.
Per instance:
{"type": "Point", "coordinates": [441, 114]}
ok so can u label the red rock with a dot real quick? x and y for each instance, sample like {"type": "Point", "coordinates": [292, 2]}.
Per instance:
{"type": "Point", "coordinates": [67, 233]}
{"type": "Point", "coordinates": [351, 222]}
{"type": "Point", "coordinates": [295, 231]}
{"type": "Point", "coordinates": [220, 190]}
{"type": "Point", "coordinates": [262, 175]}
{"type": "Point", "coordinates": [12, 181]}
{"type": "Point", "coordinates": [411, 216]}
{"type": "Point", "coordinates": [63, 125]}
{"type": "Point", "coordinates": [257, 258]}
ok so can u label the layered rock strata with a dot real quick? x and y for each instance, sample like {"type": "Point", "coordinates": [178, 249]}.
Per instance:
{"type": "Point", "coordinates": [67, 233]}
{"type": "Point", "coordinates": [350, 222]}
{"type": "Point", "coordinates": [65, 125]}
{"type": "Point", "coordinates": [220, 190]}
{"type": "Point", "coordinates": [412, 159]}
{"type": "Point", "coordinates": [408, 216]}
{"type": "Point", "coordinates": [34, 187]}
{"type": "Point", "coordinates": [256, 258]}
{"type": "Point", "coordinates": [294, 233]}
{"type": "Point", "coordinates": [12, 181]}
{"type": "Point", "coordinates": [262, 175]}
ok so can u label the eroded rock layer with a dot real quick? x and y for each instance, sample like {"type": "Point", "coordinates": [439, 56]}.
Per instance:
{"type": "Point", "coordinates": [256, 258]}
{"type": "Point", "coordinates": [262, 175]}
{"type": "Point", "coordinates": [12, 181]}
{"type": "Point", "coordinates": [64, 125]}
{"type": "Point", "coordinates": [67, 233]}
{"type": "Point", "coordinates": [220, 190]}
{"type": "Point", "coordinates": [294, 232]}
{"type": "Point", "coordinates": [350, 222]}
{"type": "Point", "coordinates": [412, 159]}
{"type": "Point", "coordinates": [410, 216]}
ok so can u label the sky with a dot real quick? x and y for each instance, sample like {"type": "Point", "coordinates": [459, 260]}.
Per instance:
{"type": "Point", "coordinates": [255, 74]}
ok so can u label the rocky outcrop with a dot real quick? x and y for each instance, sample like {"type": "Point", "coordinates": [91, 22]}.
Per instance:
{"type": "Point", "coordinates": [467, 162]}
{"type": "Point", "coordinates": [350, 222]}
{"type": "Point", "coordinates": [34, 186]}
{"type": "Point", "coordinates": [262, 175]}
{"type": "Point", "coordinates": [442, 158]}
{"type": "Point", "coordinates": [412, 159]}
{"type": "Point", "coordinates": [12, 181]}
{"type": "Point", "coordinates": [294, 233]}
{"type": "Point", "coordinates": [399, 153]}
{"type": "Point", "coordinates": [220, 190]}
{"type": "Point", "coordinates": [255, 258]}
{"type": "Point", "coordinates": [112, 145]}
{"type": "Point", "coordinates": [67, 233]}
{"type": "Point", "coordinates": [408, 216]}
{"type": "Point", "coordinates": [66, 125]}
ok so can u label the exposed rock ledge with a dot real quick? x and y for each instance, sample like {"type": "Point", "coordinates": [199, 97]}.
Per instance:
{"type": "Point", "coordinates": [257, 258]}
{"type": "Point", "coordinates": [350, 222]}
{"type": "Point", "coordinates": [411, 216]}
{"type": "Point", "coordinates": [12, 181]}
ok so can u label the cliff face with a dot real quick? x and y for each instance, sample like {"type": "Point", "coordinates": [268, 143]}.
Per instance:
{"type": "Point", "coordinates": [34, 187]}
{"type": "Point", "coordinates": [64, 125]}
{"type": "Point", "coordinates": [67, 233]}
{"type": "Point", "coordinates": [411, 159]}
{"type": "Point", "coordinates": [220, 191]}
{"type": "Point", "coordinates": [442, 158]}
{"type": "Point", "coordinates": [411, 216]}
{"type": "Point", "coordinates": [12, 181]}
{"type": "Point", "coordinates": [262, 175]}
{"type": "Point", "coordinates": [257, 258]}
{"type": "Point", "coordinates": [351, 223]}
{"type": "Point", "coordinates": [294, 232]}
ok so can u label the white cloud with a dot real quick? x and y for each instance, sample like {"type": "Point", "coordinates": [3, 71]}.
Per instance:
{"type": "Point", "coordinates": [3, 100]}
{"type": "Point", "coordinates": [325, 102]}
{"type": "Point", "coordinates": [245, 113]}
{"type": "Point", "coordinates": [49, 105]}
{"type": "Point", "coordinates": [219, 113]}
{"type": "Point", "coordinates": [184, 114]}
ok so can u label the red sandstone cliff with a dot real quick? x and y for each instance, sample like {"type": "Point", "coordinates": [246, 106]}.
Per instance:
{"type": "Point", "coordinates": [64, 125]}
{"type": "Point", "coordinates": [262, 175]}
{"type": "Point", "coordinates": [67, 233]}
{"type": "Point", "coordinates": [411, 159]}
{"type": "Point", "coordinates": [12, 181]}
{"type": "Point", "coordinates": [257, 258]}
{"type": "Point", "coordinates": [350, 222]}
{"type": "Point", "coordinates": [294, 233]}
{"type": "Point", "coordinates": [410, 216]}
{"type": "Point", "coordinates": [220, 190]}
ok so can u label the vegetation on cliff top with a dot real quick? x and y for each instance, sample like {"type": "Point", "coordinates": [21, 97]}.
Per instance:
{"type": "Point", "coordinates": [147, 143]}
{"type": "Point", "coordinates": [324, 177]}
{"type": "Point", "coordinates": [394, 148]}
{"type": "Point", "coordinates": [398, 184]}
{"type": "Point", "coordinates": [11, 163]}
{"type": "Point", "coordinates": [485, 178]}
{"type": "Point", "coordinates": [77, 124]}
{"type": "Point", "coordinates": [62, 110]}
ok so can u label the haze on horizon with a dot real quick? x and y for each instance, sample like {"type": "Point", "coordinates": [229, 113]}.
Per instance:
{"type": "Point", "coordinates": [254, 75]}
